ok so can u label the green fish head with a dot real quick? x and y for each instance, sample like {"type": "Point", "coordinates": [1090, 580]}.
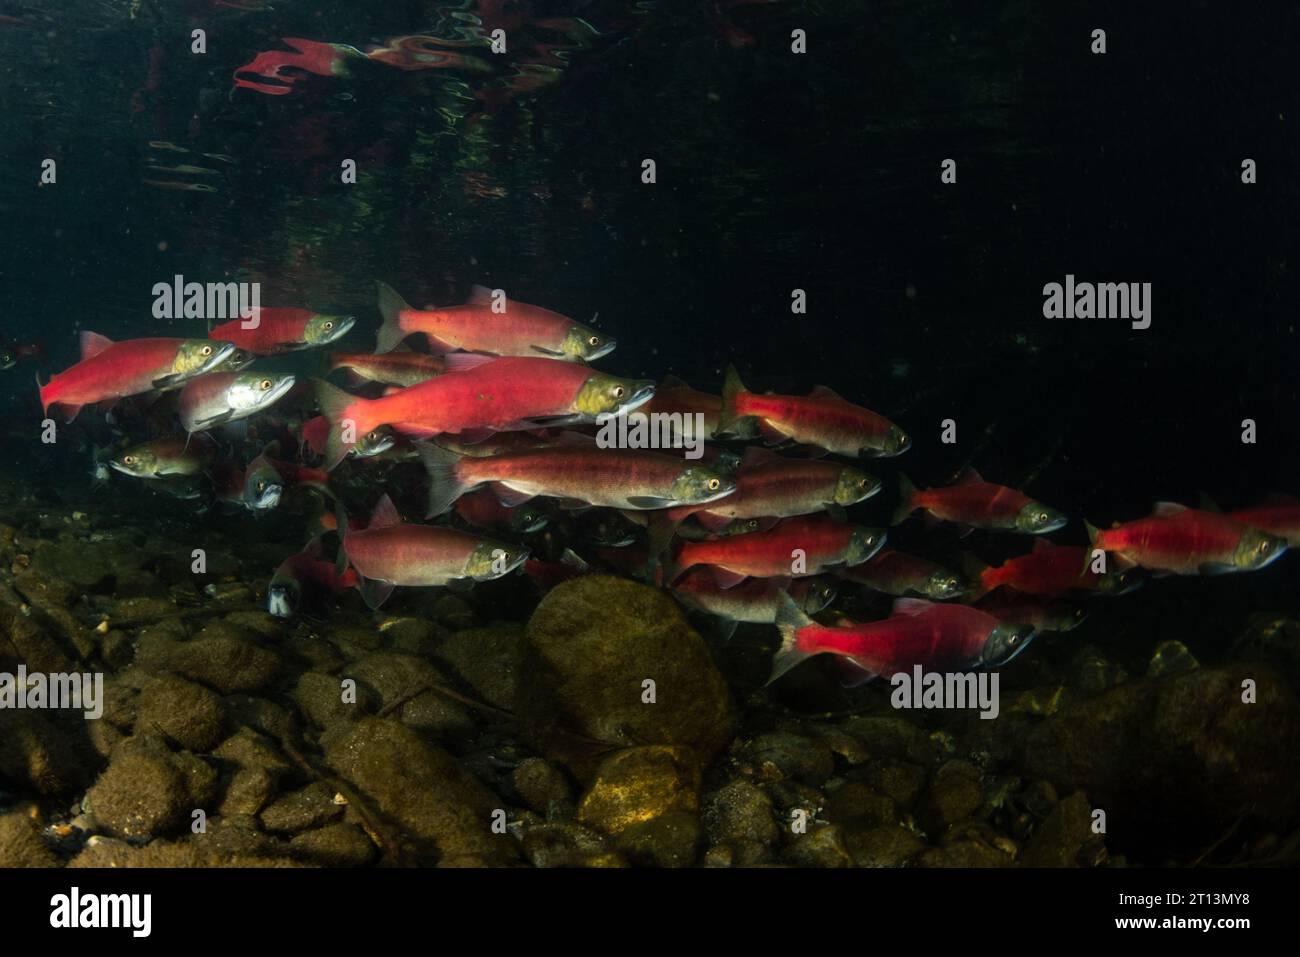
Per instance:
{"type": "Point", "coordinates": [138, 462]}
{"type": "Point", "coordinates": [582, 342]}
{"type": "Point", "coordinates": [263, 486]}
{"type": "Point", "coordinates": [1255, 549]}
{"type": "Point", "coordinates": [283, 595]}
{"type": "Point", "coordinates": [819, 594]}
{"type": "Point", "coordinates": [493, 560]}
{"type": "Point", "coordinates": [741, 526]}
{"type": "Point", "coordinates": [1037, 519]}
{"type": "Point", "coordinates": [197, 356]}
{"type": "Point", "coordinates": [698, 483]}
{"type": "Point", "coordinates": [855, 486]}
{"type": "Point", "coordinates": [609, 395]}
{"type": "Point", "coordinates": [526, 519]}
{"type": "Point", "coordinates": [895, 442]}
{"type": "Point", "coordinates": [863, 543]}
{"type": "Point", "coordinates": [943, 585]}
{"type": "Point", "coordinates": [256, 390]}
{"type": "Point", "coordinates": [375, 442]}
{"type": "Point", "coordinates": [1119, 583]}
{"type": "Point", "coordinates": [322, 330]}
{"type": "Point", "coordinates": [238, 359]}
{"type": "Point", "coordinates": [7, 359]}
{"type": "Point", "coordinates": [1004, 642]}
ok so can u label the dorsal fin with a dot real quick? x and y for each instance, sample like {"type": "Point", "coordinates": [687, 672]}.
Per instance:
{"type": "Point", "coordinates": [480, 295]}
{"type": "Point", "coordinates": [825, 392]}
{"type": "Point", "coordinates": [385, 514]}
{"type": "Point", "coordinates": [910, 606]}
{"type": "Point", "coordinates": [1165, 509]}
{"type": "Point", "coordinates": [1042, 545]}
{"type": "Point", "coordinates": [969, 476]}
{"type": "Point", "coordinates": [92, 344]}
{"type": "Point", "coordinates": [1206, 502]}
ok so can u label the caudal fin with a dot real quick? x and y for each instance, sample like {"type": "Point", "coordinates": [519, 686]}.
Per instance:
{"type": "Point", "coordinates": [906, 496]}
{"type": "Point", "coordinates": [729, 421]}
{"type": "Point", "coordinates": [789, 621]}
{"type": "Point", "coordinates": [340, 410]}
{"type": "Point", "coordinates": [974, 568]}
{"type": "Point", "coordinates": [445, 485]}
{"type": "Point", "coordinates": [390, 307]}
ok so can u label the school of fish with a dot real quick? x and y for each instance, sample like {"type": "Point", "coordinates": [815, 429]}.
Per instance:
{"type": "Point", "coordinates": [496, 402]}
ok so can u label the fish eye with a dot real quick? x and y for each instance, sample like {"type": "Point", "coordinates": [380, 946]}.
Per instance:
{"type": "Point", "coordinates": [618, 392]}
{"type": "Point", "coordinates": [129, 460]}
{"type": "Point", "coordinates": [714, 484]}
{"type": "Point", "coordinates": [594, 341]}
{"type": "Point", "coordinates": [863, 483]}
{"type": "Point", "coordinates": [328, 326]}
{"type": "Point", "coordinates": [206, 350]}
{"type": "Point", "coordinates": [261, 486]}
{"type": "Point", "coordinates": [266, 384]}
{"type": "Point", "coordinates": [1042, 516]}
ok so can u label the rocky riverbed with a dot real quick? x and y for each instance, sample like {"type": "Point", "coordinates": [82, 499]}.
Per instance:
{"type": "Point", "coordinates": [595, 727]}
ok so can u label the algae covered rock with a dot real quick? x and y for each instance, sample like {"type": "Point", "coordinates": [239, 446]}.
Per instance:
{"type": "Point", "coordinates": [185, 712]}
{"type": "Point", "coordinates": [21, 844]}
{"type": "Point", "coordinates": [611, 661]}
{"type": "Point", "coordinates": [1175, 760]}
{"type": "Point", "coordinates": [221, 658]}
{"type": "Point", "coordinates": [423, 789]}
{"type": "Point", "coordinates": [638, 784]}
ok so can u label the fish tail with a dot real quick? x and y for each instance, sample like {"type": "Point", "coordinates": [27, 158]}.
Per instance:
{"type": "Point", "coordinates": [390, 307]}
{"type": "Point", "coordinates": [906, 500]}
{"type": "Point", "coordinates": [42, 390]}
{"type": "Point", "coordinates": [974, 568]}
{"type": "Point", "coordinates": [789, 621]}
{"type": "Point", "coordinates": [728, 420]}
{"type": "Point", "coordinates": [1093, 535]}
{"type": "Point", "coordinates": [340, 411]}
{"type": "Point", "coordinates": [445, 485]}
{"type": "Point", "coordinates": [660, 529]}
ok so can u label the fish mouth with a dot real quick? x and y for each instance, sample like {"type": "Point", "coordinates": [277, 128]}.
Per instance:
{"type": "Point", "coordinates": [278, 603]}
{"type": "Point", "coordinates": [609, 346]}
{"type": "Point", "coordinates": [118, 466]}
{"type": "Point", "coordinates": [643, 394]}
{"type": "Point", "coordinates": [269, 498]}
{"type": "Point", "coordinates": [275, 393]}
{"type": "Point", "coordinates": [224, 351]}
{"type": "Point", "coordinates": [343, 325]}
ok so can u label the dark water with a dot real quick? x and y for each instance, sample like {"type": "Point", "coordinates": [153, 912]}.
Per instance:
{"type": "Point", "coordinates": [775, 172]}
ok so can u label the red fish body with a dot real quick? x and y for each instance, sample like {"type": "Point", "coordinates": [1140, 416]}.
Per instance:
{"type": "Point", "coordinates": [1188, 541]}
{"type": "Point", "coordinates": [389, 552]}
{"type": "Point", "coordinates": [282, 330]}
{"type": "Point", "coordinates": [938, 637]}
{"type": "Point", "coordinates": [797, 547]}
{"type": "Point", "coordinates": [769, 486]}
{"type": "Point", "coordinates": [675, 396]}
{"type": "Point", "coordinates": [498, 395]}
{"type": "Point", "coordinates": [753, 601]}
{"type": "Point", "coordinates": [1049, 570]}
{"type": "Point", "coordinates": [510, 329]}
{"type": "Point", "coordinates": [897, 573]}
{"type": "Point", "coordinates": [115, 370]}
{"type": "Point", "coordinates": [976, 503]}
{"type": "Point", "coordinates": [392, 368]}
{"type": "Point", "coordinates": [1280, 516]}
{"type": "Point", "coordinates": [821, 419]}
